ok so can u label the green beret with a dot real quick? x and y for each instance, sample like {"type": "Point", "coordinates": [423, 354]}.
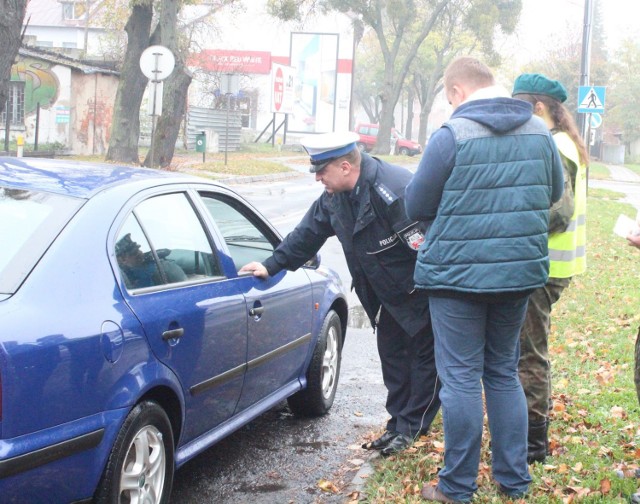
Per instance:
{"type": "Point", "coordinates": [540, 85]}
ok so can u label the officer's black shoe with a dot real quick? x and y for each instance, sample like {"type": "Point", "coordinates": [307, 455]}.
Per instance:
{"type": "Point", "coordinates": [397, 444]}
{"type": "Point", "coordinates": [382, 442]}
{"type": "Point", "coordinates": [537, 441]}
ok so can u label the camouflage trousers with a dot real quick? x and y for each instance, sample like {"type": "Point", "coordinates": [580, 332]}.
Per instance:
{"type": "Point", "coordinates": [534, 366]}
{"type": "Point", "coordinates": [637, 366]}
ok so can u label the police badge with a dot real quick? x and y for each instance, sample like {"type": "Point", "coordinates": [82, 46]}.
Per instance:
{"type": "Point", "coordinates": [413, 237]}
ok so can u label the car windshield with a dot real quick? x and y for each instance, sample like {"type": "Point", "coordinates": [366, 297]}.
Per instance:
{"type": "Point", "coordinates": [29, 222]}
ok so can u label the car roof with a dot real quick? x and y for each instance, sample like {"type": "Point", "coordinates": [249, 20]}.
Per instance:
{"type": "Point", "coordinates": [78, 178]}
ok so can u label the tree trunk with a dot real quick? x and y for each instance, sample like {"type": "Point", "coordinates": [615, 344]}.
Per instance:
{"type": "Point", "coordinates": [125, 130]}
{"type": "Point", "coordinates": [176, 86]}
{"type": "Point", "coordinates": [11, 18]}
{"type": "Point", "coordinates": [174, 101]}
{"type": "Point", "coordinates": [408, 128]}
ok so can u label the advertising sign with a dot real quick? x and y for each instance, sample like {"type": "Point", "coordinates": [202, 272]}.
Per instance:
{"type": "Point", "coordinates": [282, 89]}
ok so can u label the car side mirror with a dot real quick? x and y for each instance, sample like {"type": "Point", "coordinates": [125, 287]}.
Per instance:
{"type": "Point", "coordinates": [313, 263]}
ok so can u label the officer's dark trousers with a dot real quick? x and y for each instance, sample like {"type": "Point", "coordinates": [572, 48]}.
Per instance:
{"type": "Point", "coordinates": [409, 373]}
{"type": "Point", "coordinates": [534, 366]}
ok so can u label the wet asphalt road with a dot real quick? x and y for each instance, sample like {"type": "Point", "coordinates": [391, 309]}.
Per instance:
{"type": "Point", "coordinates": [279, 458]}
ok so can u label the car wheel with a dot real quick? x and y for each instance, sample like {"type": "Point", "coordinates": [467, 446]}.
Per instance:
{"type": "Point", "coordinates": [404, 151]}
{"type": "Point", "coordinates": [323, 372]}
{"type": "Point", "coordinates": [362, 147]}
{"type": "Point", "coordinates": [140, 466]}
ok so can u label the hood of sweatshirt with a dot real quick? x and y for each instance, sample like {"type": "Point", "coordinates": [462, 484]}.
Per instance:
{"type": "Point", "coordinates": [500, 114]}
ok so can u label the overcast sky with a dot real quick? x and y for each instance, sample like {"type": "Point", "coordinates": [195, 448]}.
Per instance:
{"type": "Point", "coordinates": [543, 20]}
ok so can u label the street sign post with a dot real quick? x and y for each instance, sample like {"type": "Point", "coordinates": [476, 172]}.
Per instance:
{"type": "Point", "coordinates": [156, 62]}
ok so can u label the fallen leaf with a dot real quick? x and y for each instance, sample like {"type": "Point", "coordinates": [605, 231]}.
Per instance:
{"type": "Point", "coordinates": [618, 412]}
{"type": "Point", "coordinates": [327, 486]}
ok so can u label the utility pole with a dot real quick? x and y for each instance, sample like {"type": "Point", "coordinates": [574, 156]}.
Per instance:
{"type": "Point", "coordinates": [585, 64]}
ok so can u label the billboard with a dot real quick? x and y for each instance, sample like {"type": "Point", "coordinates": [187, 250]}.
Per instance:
{"type": "Point", "coordinates": [314, 58]}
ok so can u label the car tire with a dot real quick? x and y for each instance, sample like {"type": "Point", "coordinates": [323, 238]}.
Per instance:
{"type": "Point", "coordinates": [361, 147]}
{"type": "Point", "coordinates": [140, 466]}
{"type": "Point", "coordinates": [404, 151]}
{"type": "Point", "coordinates": [323, 372]}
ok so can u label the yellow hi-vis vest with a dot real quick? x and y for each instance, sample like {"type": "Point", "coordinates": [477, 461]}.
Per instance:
{"type": "Point", "coordinates": [567, 250]}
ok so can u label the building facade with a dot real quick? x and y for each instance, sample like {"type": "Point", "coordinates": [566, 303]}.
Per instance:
{"type": "Point", "coordinates": [60, 102]}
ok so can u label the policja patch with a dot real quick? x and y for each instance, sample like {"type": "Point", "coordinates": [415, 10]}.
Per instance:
{"type": "Point", "coordinates": [413, 236]}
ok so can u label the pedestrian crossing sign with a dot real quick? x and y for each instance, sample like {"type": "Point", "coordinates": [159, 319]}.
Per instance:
{"type": "Point", "coordinates": [591, 99]}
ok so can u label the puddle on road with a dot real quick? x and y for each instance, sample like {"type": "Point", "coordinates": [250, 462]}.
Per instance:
{"type": "Point", "coordinates": [313, 444]}
{"type": "Point", "coordinates": [255, 489]}
{"type": "Point", "coordinates": [358, 318]}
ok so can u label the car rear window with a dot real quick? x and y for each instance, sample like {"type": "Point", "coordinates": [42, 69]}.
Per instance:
{"type": "Point", "coordinates": [29, 222]}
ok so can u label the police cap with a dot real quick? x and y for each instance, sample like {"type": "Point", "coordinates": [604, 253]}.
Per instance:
{"type": "Point", "coordinates": [326, 147]}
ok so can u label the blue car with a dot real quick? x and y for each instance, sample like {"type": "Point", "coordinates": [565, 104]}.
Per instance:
{"type": "Point", "coordinates": [129, 342]}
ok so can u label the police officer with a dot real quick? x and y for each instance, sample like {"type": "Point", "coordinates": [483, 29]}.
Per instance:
{"type": "Point", "coordinates": [363, 206]}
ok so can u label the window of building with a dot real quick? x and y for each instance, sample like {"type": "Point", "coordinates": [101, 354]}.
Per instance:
{"type": "Point", "coordinates": [74, 10]}
{"type": "Point", "coordinates": [15, 105]}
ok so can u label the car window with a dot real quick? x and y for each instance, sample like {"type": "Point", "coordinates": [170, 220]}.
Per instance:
{"type": "Point", "coordinates": [247, 239]}
{"type": "Point", "coordinates": [163, 242]}
{"type": "Point", "coordinates": [29, 222]}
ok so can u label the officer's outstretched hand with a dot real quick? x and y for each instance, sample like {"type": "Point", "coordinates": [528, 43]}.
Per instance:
{"type": "Point", "coordinates": [255, 268]}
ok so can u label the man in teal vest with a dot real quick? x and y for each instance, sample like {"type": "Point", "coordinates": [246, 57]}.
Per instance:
{"type": "Point", "coordinates": [485, 184]}
{"type": "Point", "coordinates": [567, 252]}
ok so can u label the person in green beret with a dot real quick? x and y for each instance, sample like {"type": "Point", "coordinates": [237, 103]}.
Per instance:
{"type": "Point", "coordinates": [567, 252]}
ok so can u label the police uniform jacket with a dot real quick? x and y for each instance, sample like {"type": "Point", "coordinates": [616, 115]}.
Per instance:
{"type": "Point", "coordinates": [378, 239]}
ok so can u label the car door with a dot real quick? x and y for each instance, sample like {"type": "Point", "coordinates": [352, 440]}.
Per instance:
{"type": "Point", "coordinates": [279, 308]}
{"type": "Point", "coordinates": [194, 317]}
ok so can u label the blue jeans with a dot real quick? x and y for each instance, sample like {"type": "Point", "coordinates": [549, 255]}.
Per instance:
{"type": "Point", "coordinates": [477, 345]}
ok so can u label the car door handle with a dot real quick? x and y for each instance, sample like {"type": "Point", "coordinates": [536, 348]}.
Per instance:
{"type": "Point", "coordinates": [254, 312]}
{"type": "Point", "coordinates": [173, 334]}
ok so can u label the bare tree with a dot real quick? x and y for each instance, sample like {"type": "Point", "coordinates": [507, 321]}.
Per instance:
{"type": "Point", "coordinates": [175, 89]}
{"type": "Point", "coordinates": [125, 129]}
{"type": "Point", "coordinates": [400, 28]}
{"type": "Point", "coordinates": [141, 34]}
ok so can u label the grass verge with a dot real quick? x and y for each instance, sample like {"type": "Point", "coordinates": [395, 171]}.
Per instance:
{"type": "Point", "coordinates": [594, 429]}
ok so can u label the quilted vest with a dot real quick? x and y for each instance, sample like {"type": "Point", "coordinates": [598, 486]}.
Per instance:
{"type": "Point", "coordinates": [490, 231]}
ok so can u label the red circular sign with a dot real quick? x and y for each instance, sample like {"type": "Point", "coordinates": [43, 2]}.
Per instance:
{"type": "Point", "coordinates": [278, 89]}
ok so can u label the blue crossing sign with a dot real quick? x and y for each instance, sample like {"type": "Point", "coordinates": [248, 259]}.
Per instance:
{"type": "Point", "coordinates": [591, 99]}
{"type": "Point", "coordinates": [595, 120]}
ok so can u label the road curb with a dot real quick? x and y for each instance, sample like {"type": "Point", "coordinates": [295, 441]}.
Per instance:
{"type": "Point", "coordinates": [359, 479]}
{"type": "Point", "coordinates": [246, 179]}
